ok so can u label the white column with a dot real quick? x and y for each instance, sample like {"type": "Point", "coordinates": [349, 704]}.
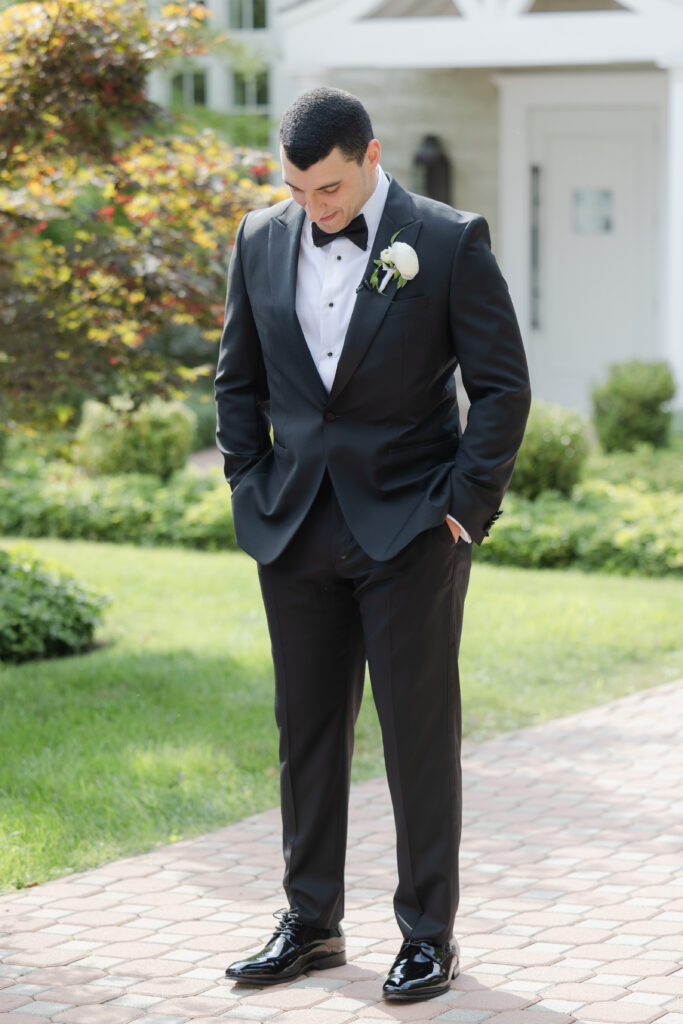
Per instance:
{"type": "Point", "coordinates": [673, 338]}
{"type": "Point", "coordinates": [218, 83]}
{"type": "Point", "coordinates": [158, 87]}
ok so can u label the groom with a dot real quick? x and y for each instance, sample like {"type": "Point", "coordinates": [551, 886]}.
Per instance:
{"type": "Point", "coordinates": [360, 508]}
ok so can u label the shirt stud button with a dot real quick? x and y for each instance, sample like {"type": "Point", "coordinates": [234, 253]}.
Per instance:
{"type": "Point", "coordinates": [330, 304]}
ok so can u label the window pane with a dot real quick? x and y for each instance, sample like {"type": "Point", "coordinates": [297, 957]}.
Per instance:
{"type": "Point", "coordinates": [199, 87]}
{"type": "Point", "coordinates": [239, 90]}
{"type": "Point", "coordinates": [259, 13]}
{"type": "Point", "coordinates": [177, 90]}
{"type": "Point", "coordinates": [262, 89]}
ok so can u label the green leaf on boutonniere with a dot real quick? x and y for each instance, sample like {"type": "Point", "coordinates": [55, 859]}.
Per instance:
{"type": "Point", "coordinates": [374, 280]}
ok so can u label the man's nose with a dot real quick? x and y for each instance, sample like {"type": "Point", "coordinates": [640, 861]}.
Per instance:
{"type": "Point", "coordinates": [313, 208]}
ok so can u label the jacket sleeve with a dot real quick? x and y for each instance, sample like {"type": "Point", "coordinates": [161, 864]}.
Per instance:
{"type": "Point", "coordinates": [489, 348]}
{"type": "Point", "coordinates": [241, 387]}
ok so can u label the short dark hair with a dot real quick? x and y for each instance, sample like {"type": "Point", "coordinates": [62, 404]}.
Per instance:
{"type": "Point", "coordinates": [321, 119]}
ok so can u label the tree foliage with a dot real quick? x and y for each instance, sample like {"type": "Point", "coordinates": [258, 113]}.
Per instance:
{"type": "Point", "coordinates": [116, 221]}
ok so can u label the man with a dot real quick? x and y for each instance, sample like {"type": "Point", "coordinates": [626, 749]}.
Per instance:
{"type": "Point", "coordinates": [361, 507]}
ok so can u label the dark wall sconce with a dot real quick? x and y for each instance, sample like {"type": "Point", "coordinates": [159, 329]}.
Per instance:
{"type": "Point", "coordinates": [433, 170]}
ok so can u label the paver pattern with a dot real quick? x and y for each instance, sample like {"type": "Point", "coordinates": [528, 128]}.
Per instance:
{"type": "Point", "coordinates": [572, 908]}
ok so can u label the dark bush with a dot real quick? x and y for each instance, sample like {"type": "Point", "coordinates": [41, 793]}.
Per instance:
{"type": "Point", "coordinates": [553, 451]}
{"type": "Point", "coordinates": [43, 613]}
{"type": "Point", "coordinates": [628, 408]}
{"type": "Point", "coordinates": [155, 438]}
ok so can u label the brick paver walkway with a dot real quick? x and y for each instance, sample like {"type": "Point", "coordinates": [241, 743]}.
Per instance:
{"type": "Point", "coordinates": [572, 906]}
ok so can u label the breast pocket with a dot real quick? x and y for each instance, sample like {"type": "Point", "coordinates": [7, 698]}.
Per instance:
{"type": "Point", "coordinates": [415, 304]}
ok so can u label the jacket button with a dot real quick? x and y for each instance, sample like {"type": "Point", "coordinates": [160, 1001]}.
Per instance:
{"type": "Point", "coordinates": [330, 416]}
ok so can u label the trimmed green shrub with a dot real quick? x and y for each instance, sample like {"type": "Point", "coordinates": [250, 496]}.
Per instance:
{"type": "Point", "coordinates": [553, 451]}
{"type": "Point", "coordinates": [43, 613]}
{"type": "Point", "coordinates": [628, 408]}
{"type": "Point", "coordinates": [155, 438]}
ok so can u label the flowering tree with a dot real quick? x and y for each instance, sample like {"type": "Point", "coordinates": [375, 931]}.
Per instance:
{"type": "Point", "coordinates": [114, 221]}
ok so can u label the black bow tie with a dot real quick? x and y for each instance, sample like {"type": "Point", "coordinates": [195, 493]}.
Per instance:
{"type": "Point", "coordinates": [356, 231]}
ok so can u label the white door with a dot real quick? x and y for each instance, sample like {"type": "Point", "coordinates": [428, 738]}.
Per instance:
{"type": "Point", "coordinates": [593, 250]}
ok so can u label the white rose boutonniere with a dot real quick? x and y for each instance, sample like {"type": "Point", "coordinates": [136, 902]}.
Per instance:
{"type": "Point", "coordinates": [397, 260]}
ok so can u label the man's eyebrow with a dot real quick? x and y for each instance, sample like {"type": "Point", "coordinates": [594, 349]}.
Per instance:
{"type": "Point", "coordinates": [321, 188]}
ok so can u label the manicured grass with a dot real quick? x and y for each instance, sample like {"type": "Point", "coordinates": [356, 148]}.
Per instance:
{"type": "Point", "coordinates": [166, 730]}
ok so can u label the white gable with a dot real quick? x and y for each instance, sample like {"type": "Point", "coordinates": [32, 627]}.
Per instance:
{"type": "Point", "coordinates": [481, 33]}
{"type": "Point", "coordinates": [457, 8]}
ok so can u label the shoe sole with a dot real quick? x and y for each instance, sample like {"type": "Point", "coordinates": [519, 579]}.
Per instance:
{"type": "Point", "coordinates": [319, 964]}
{"type": "Point", "coordinates": [407, 997]}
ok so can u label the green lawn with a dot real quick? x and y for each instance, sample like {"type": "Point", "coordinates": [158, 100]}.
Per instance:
{"type": "Point", "coordinates": [166, 729]}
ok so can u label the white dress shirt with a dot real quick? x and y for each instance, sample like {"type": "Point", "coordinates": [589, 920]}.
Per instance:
{"type": "Point", "coordinates": [326, 283]}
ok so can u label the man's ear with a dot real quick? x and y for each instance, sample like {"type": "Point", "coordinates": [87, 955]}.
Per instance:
{"type": "Point", "coordinates": [373, 153]}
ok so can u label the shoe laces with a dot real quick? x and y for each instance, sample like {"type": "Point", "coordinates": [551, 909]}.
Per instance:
{"type": "Point", "coordinates": [288, 921]}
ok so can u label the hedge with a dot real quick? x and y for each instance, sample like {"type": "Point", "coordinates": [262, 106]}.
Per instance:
{"type": "Point", "coordinates": [190, 509]}
{"type": "Point", "coordinates": [603, 526]}
{"type": "Point", "coordinates": [656, 469]}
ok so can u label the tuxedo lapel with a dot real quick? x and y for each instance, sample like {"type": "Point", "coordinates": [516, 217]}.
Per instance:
{"type": "Point", "coordinates": [371, 306]}
{"type": "Point", "coordinates": [283, 259]}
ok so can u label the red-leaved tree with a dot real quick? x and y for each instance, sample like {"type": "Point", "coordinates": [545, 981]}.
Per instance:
{"type": "Point", "coordinates": [115, 221]}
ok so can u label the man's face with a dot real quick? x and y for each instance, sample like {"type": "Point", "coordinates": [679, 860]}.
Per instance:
{"type": "Point", "coordinates": [335, 189]}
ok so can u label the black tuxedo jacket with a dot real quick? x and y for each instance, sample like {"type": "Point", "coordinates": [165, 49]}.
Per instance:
{"type": "Point", "coordinates": [388, 432]}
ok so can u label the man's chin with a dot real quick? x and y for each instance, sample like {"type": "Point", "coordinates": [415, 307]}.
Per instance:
{"type": "Point", "coordinates": [328, 226]}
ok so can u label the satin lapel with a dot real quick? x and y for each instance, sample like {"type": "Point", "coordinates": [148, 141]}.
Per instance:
{"type": "Point", "coordinates": [371, 306]}
{"type": "Point", "coordinates": [283, 259]}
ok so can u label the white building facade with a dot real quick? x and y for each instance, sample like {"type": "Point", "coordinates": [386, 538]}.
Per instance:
{"type": "Point", "coordinates": [563, 123]}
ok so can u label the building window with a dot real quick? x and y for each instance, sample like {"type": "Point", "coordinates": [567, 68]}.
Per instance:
{"type": "Point", "coordinates": [188, 88]}
{"type": "Point", "coordinates": [199, 88]}
{"type": "Point", "coordinates": [250, 91]}
{"type": "Point", "coordinates": [247, 14]}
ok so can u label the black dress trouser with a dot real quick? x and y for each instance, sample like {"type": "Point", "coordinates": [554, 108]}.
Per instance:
{"type": "Point", "coordinates": [329, 607]}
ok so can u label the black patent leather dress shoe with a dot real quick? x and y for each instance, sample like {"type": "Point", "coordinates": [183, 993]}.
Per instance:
{"type": "Point", "coordinates": [422, 970]}
{"type": "Point", "coordinates": [294, 948]}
